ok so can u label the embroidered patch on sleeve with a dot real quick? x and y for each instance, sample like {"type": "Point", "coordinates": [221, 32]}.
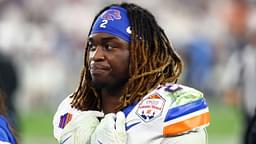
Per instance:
{"type": "Point", "coordinates": [64, 119]}
{"type": "Point", "coordinates": [150, 107]}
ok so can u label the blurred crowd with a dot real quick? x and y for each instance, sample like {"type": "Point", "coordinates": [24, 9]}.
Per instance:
{"type": "Point", "coordinates": [44, 40]}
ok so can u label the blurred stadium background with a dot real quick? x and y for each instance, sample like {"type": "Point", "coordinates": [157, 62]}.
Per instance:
{"type": "Point", "coordinates": [45, 39]}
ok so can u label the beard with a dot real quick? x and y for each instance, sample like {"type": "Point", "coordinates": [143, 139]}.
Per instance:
{"type": "Point", "coordinates": [108, 84]}
{"type": "Point", "coordinates": [99, 84]}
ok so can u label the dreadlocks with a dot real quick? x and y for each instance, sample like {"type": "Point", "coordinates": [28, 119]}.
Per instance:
{"type": "Point", "coordinates": [153, 61]}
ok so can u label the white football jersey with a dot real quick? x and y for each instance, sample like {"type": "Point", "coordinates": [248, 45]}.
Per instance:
{"type": "Point", "coordinates": [169, 110]}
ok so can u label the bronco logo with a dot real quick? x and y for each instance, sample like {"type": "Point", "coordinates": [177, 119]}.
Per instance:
{"type": "Point", "coordinates": [111, 15]}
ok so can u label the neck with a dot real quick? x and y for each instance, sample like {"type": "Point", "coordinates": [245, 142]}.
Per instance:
{"type": "Point", "coordinates": [110, 99]}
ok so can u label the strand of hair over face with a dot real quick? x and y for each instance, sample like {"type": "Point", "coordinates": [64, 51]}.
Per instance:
{"type": "Point", "coordinates": [153, 61]}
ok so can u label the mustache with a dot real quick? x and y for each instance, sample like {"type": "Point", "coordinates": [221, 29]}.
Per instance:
{"type": "Point", "coordinates": [98, 65]}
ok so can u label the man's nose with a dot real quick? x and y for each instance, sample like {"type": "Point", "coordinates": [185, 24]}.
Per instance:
{"type": "Point", "coordinates": [98, 54]}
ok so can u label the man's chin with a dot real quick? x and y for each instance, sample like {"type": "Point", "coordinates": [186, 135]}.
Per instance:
{"type": "Point", "coordinates": [107, 84]}
{"type": "Point", "coordinates": [99, 84]}
{"type": "Point", "coordinates": [104, 85]}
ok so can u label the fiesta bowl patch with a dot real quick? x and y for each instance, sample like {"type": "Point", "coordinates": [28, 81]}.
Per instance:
{"type": "Point", "coordinates": [150, 107]}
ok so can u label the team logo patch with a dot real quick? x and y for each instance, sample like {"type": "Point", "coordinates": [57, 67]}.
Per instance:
{"type": "Point", "coordinates": [111, 14]}
{"type": "Point", "coordinates": [150, 107]}
{"type": "Point", "coordinates": [64, 119]}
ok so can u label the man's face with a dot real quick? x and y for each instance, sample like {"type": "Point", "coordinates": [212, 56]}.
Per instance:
{"type": "Point", "coordinates": [108, 60]}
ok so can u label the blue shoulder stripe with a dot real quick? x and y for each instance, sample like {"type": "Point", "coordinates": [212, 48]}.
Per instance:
{"type": "Point", "coordinates": [185, 109]}
{"type": "Point", "coordinates": [3, 135]}
{"type": "Point", "coordinates": [128, 109]}
{"type": "Point", "coordinates": [5, 132]}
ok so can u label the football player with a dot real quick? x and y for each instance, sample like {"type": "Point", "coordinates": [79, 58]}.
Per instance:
{"type": "Point", "coordinates": [127, 92]}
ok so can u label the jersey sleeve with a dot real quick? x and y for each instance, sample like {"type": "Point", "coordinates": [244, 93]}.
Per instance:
{"type": "Point", "coordinates": [61, 117]}
{"type": "Point", "coordinates": [188, 110]}
{"type": "Point", "coordinates": [198, 137]}
{"type": "Point", "coordinates": [6, 136]}
{"type": "Point", "coordinates": [3, 136]}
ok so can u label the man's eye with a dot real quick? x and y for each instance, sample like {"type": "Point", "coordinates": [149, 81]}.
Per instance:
{"type": "Point", "coordinates": [91, 46]}
{"type": "Point", "coordinates": [108, 47]}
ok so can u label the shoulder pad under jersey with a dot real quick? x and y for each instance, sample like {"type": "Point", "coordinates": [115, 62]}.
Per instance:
{"type": "Point", "coordinates": [187, 110]}
{"type": "Point", "coordinates": [179, 94]}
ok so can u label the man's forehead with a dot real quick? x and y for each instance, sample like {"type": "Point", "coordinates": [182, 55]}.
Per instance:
{"type": "Point", "coordinates": [103, 37]}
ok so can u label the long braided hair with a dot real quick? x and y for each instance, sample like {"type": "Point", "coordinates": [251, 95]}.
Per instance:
{"type": "Point", "coordinates": [153, 61]}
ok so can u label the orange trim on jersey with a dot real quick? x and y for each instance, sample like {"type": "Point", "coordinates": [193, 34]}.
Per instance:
{"type": "Point", "coordinates": [186, 125]}
{"type": "Point", "coordinates": [155, 96]}
{"type": "Point", "coordinates": [69, 117]}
